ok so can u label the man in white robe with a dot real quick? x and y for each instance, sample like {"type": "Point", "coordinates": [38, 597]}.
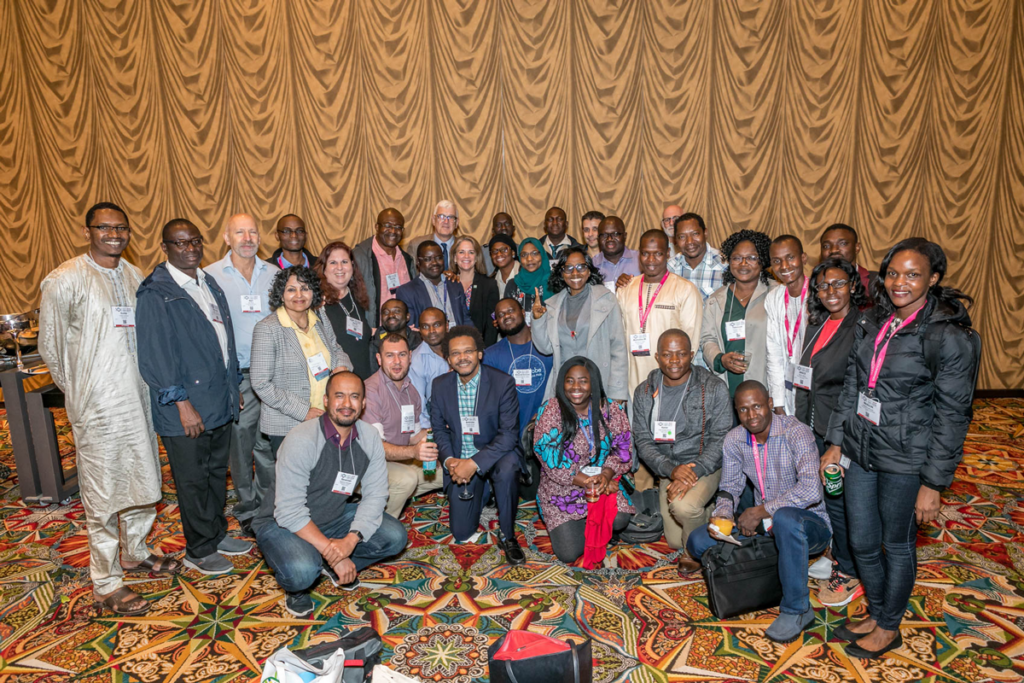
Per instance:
{"type": "Point", "coordinates": [87, 339]}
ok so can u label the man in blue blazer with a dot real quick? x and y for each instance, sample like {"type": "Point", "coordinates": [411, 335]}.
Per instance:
{"type": "Point", "coordinates": [474, 412]}
{"type": "Point", "coordinates": [431, 289]}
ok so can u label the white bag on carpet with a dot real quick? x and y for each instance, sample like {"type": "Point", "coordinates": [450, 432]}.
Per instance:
{"type": "Point", "coordinates": [382, 674]}
{"type": "Point", "coordinates": [284, 666]}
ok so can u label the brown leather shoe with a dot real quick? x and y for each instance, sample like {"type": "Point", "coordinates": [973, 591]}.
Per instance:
{"type": "Point", "coordinates": [687, 565]}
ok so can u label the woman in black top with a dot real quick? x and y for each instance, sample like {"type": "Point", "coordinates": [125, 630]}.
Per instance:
{"type": "Point", "coordinates": [345, 304]}
{"type": "Point", "coordinates": [832, 314]}
{"type": "Point", "coordinates": [467, 268]}
{"type": "Point", "coordinates": [901, 419]}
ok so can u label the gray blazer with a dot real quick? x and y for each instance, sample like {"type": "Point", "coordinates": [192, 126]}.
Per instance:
{"type": "Point", "coordinates": [280, 375]}
{"type": "Point", "coordinates": [606, 342]}
{"type": "Point", "coordinates": [712, 343]}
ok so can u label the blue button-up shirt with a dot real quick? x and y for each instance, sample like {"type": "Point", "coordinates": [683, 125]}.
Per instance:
{"type": "Point", "coordinates": [235, 285]}
{"type": "Point", "coordinates": [629, 263]}
{"type": "Point", "coordinates": [424, 368]}
{"type": "Point", "coordinates": [707, 275]}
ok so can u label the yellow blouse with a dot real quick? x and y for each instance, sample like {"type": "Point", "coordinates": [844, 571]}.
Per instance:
{"type": "Point", "coordinates": [311, 344]}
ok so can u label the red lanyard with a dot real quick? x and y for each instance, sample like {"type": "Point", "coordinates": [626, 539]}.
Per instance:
{"type": "Point", "coordinates": [791, 339]}
{"type": "Point", "coordinates": [645, 313]}
{"type": "Point", "coordinates": [757, 464]}
{"type": "Point", "coordinates": [879, 356]}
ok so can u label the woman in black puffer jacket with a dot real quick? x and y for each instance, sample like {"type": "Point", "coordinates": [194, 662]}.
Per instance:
{"type": "Point", "coordinates": [902, 419]}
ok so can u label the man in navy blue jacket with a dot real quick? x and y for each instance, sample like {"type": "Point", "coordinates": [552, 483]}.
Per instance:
{"type": "Point", "coordinates": [187, 357]}
{"type": "Point", "coordinates": [431, 289]}
{"type": "Point", "coordinates": [474, 412]}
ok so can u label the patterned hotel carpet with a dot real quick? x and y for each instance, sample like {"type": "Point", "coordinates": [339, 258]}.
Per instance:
{"type": "Point", "coordinates": [440, 605]}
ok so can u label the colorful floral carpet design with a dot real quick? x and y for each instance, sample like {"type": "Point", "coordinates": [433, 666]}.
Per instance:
{"type": "Point", "coordinates": [441, 604]}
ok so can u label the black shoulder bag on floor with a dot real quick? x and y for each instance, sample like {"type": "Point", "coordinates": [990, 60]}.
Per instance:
{"type": "Point", "coordinates": [742, 578]}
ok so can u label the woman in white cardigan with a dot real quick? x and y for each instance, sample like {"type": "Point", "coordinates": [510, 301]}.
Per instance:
{"type": "Point", "coordinates": [581, 319]}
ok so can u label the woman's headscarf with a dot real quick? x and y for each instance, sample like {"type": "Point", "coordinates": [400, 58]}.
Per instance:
{"type": "Point", "coordinates": [527, 281]}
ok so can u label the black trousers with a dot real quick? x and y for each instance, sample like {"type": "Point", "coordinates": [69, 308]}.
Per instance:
{"type": "Point", "coordinates": [503, 479]}
{"type": "Point", "coordinates": [569, 539]}
{"type": "Point", "coordinates": [200, 470]}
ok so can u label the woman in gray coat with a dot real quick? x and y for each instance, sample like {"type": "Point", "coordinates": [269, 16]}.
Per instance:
{"type": "Point", "coordinates": [581, 319]}
{"type": "Point", "coordinates": [293, 354]}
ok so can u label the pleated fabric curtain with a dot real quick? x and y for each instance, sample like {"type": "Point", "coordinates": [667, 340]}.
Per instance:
{"type": "Point", "coordinates": [899, 118]}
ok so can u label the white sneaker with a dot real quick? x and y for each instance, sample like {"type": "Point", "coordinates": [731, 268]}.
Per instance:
{"type": "Point", "coordinates": [822, 569]}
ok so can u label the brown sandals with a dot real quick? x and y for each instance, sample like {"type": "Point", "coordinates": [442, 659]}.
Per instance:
{"type": "Point", "coordinates": [156, 564]}
{"type": "Point", "coordinates": [124, 601]}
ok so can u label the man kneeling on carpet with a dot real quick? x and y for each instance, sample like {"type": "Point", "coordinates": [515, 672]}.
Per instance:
{"type": "Point", "coordinates": [583, 442]}
{"type": "Point", "coordinates": [778, 454]}
{"type": "Point", "coordinates": [308, 524]}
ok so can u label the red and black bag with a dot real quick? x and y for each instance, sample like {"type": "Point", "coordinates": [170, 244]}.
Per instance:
{"type": "Point", "coordinates": [525, 657]}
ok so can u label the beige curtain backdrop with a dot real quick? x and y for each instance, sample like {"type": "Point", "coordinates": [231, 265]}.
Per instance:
{"type": "Point", "coordinates": [900, 118]}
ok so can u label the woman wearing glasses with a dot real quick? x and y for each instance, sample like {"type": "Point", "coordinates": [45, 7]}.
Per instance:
{"type": "Point", "coordinates": [734, 330]}
{"type": "Point", "coordinates": [832, 311]}
{"type": "Point", "coordinates": [582, 318]}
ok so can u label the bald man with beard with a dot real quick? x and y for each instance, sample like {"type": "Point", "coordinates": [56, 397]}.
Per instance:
{"type": "Point", "coordinates": [246, 282]}
{"type": "Point", "coordinates": [384, 264]}
{"type": "Point", "coordinates": [669, 217]}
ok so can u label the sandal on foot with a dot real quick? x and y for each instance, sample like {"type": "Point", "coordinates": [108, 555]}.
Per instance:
{"type": "Point", "coordinates": [156, 564]}
{"type": "Point", "coordinates": [124, 601]}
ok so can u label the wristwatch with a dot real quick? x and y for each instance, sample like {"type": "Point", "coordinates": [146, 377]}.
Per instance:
{"type": "Point", "coordinates": [360, 535]}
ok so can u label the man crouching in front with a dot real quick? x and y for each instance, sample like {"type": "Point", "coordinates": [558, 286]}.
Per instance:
{"type": "Point", "coordinates": [308, 524]}
{"type": "Point", "coordinates": [777, 453]}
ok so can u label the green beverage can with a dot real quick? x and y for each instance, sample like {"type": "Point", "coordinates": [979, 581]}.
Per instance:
{"type": "Point", "coordinates": [833, 480]}
{"type": "Point", "coordinates": [430, 466]}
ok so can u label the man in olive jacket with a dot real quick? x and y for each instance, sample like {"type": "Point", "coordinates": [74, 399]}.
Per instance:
{"type": "Point", "coordinates": [681, 414]}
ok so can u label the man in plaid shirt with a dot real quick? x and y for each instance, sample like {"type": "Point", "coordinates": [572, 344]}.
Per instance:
{"type": "Point", "coordinates": [778, 455]}
{"type": "Point", "coordinates": [695, 260]}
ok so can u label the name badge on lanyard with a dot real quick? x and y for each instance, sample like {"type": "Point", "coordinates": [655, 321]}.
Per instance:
{"type": "Point", "coordinates": [408, 419]}
{"type": "Point", "coordinates": [124, 316]}
{"type": "Point", "coordinates": [318, 366]}
{"type": "Point", "coordinates": [215, 314]}
{"type": "Point", "coordinates": [354, 326]}
{"type": "Point", "coordinates": [802, 376]}
{"type": "Point", "coordinates": [640, 344]}
{"type": "Point", "coordinates": [252, 303]}
{"type": "Point", "coordinates": [869, 408]}
{"type": "Point", "coordinates": [345, 483]}
{"type": "Point", "coordinates": [665, 431]}
{"type": "Point", "coordinates": [523, 377]}
{"type": "Point", "coordinates": [471, 425]}
{"type": "Point", "coordinates": [736, 330]}
{"type": "Point", "coordinates": [392, 281]}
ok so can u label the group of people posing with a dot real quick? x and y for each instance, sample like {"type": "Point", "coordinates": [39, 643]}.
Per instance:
{"type": "Point", "coordinates": [336, 387]}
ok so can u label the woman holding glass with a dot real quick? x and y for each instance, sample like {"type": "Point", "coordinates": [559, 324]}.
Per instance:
{"type": "Point", "coordinates": [734, 330]}
{"type": "Point", "coordinates": [481, 291]}
{"type": "Point", "coordinates": [293, 354]}
{"type": "Point", "coordinates": [582, 440]}
{"type": "Point", "coordinates": [534, 269]}
{"type": "Point", "coordinates": [345, 304]}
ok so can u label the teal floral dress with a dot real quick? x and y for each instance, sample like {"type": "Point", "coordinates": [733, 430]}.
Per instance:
{"type": "Point", "coordinates": [560, 500]}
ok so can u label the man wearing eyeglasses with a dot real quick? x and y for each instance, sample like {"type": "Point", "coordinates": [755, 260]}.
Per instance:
{"type": "Point", "coordinates": [187, 357]}
{"type": "Point", "coordinates": [615, 259]}
{"type": "Point", "coordinates": [291, 233]}
{"type": "Point", "coordinates": [669, 217]}
{"type": "Point", "coordinates": [384, 265]}
{"type": "Point", "coordinates": [87, 339]}
{"type": "Point", "coordinates": [445, 221]}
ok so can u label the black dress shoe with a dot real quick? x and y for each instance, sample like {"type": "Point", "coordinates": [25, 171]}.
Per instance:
{"type": "Point", "coordinates": [854, 650]}
{"type": "Point", "coordinates": [513, 553]}
{"type": "Point", "coordinates": [843, 632]}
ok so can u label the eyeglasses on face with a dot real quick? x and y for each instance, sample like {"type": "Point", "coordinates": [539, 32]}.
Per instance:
{"type": "Point", "coordinates": [445, 218]}
{"type": "Point", "coordinates": [835, 284]}
{"type": "Point", "coordinates": [119, 229]}
{"type": "Point", "coordinates": [184, 244]}
{"type": "Point", "coordinates": [669, 220]}
{"type": "Point", "coordinates": [578, 268]}
{"type": "Point", "coordinates": [612, 235]}
{"type": "Point", "coordinates": [749, 258]}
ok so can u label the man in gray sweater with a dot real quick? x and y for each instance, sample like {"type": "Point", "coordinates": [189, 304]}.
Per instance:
{"type": "Point", "coordinates": [681, 414]}
{"type": "Point", "coordinates": [308, 524]}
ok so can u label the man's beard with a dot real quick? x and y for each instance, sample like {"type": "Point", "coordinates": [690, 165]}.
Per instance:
{"type": "Point", "coordinates": [515, 330]}
{"type": "Point", "coordinates": [399, 329]}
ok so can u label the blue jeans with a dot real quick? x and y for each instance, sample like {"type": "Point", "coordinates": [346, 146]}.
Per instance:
{"type": "Point", "coordinates": [798, 534]}
{"type": "Point", "coordinates": [883, 505]}
{"type": "Point", "coordinates": [835, 506]}
{"type": "Point", "coordinates": [297, 564]}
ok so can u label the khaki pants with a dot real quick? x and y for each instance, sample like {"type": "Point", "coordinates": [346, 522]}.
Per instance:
{"type": "Point", "coordinates": [406, 480]}
{"type": "Point", "coordinates": [687, 514]}
{"type": "Point", "coordinates": [642, 478]}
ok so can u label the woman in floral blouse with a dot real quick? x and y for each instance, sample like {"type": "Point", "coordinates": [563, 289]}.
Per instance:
{"type": "Point", "coordinates": [568, 427]}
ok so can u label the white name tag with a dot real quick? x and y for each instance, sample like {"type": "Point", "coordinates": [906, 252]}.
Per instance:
{"type": "Point", "coordinates": [345, 483]}
{"type": "Point", "coordinates": [640, 344]}
{"type": "Point", "coordinates": [802, 377]}
{"type": "Point", "coordinates": [528, 317]}
{"type": "Point", "coordinates": [590, 471]}
{"type": "Point", "coordinates": [767, 522]}
{"type": "Point", "coordinates": [318, 366]}
{"type": "Point", "coordinates": [470, 424]}
{"type": "Point", "coordinates": [392, 281]}
{"type": "Point", "coordinates": [124, 316]}
{"type": "Point", "coordinates": [354, 326]}
{"type": "Point", "coordinates": [790, 371]}
{"type": "Point", "coordinates": [451, 324]}
{"type": "Point", "coordinates": [869, 408]}
{"type": "Point", "coordinates": [408, 419]}
{"type": "Point", "coordinates": [215, 314]}
{"type": "Point", "coordinates": [252, 303]}
{"type": "Point", "coordinates": [736, 330]}
{"type": "Point", "coordinates": [665, 431]}
{"type": "Point", "coordinates": [523, 377]}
